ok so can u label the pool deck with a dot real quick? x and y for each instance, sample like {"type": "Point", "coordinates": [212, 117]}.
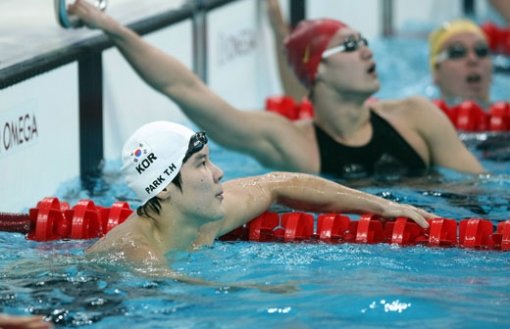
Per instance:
{"type": "Point", "coordinates": [31, 34]}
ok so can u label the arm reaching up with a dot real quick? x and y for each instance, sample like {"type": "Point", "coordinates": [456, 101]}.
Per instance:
{"type": "Point", "coordinates": [291, 85]}
{"type": "Point", "coordinates": [503, 7]}
{"type": "Point", "coordinates": [269, 138]}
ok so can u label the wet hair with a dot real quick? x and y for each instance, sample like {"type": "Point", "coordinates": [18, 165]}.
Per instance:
{"type": "Point", "coordinates": [153, 206]}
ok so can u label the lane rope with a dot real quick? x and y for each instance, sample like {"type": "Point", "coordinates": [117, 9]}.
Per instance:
{"type": "Point", "coordinates": [53, 219]}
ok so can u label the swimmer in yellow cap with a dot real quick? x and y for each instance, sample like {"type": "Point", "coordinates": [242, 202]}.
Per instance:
{"type": "Point", "coordinates": [460, 62]}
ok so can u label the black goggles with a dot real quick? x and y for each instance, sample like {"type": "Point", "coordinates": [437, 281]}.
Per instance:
{"type": "Point", "coordinates": [349, 45]}
{"type": "Point", "coordinates": [196, 143]}
{"type": "Point", "coordinates": [458, 51]}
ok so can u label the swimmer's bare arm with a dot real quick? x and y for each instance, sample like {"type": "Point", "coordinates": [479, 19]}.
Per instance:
{"type": "Point", "coordinates": [23, 322]}
{"type": "Point", "coordinates": [271, 139]}
{"type": "Point", "coordinates": [445, 147]}
{"type": "Point", "coordinates": [247, 198]}
{"type": "Point", "coordinates": [291, 85]}
{"type": "Point", "coordinates": [503, 7]}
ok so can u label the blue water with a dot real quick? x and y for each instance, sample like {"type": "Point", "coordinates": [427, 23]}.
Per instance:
{"type": "Point", "coordinates": [347, 285]}
{"type": "Point", "coordinates": [353, 286]}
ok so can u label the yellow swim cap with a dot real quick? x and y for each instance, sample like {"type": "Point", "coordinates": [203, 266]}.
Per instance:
{"type": "Point", "coordinates": [438, 37]}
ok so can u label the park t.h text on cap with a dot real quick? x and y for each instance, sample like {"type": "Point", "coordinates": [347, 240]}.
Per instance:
{"type": "Point", "coordinates": [152, 157]}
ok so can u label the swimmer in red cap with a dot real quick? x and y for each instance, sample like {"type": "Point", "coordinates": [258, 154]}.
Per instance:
{"type": "Point", "coordinates": [348, 136]}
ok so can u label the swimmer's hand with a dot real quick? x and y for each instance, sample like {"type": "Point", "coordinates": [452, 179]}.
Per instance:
{"type": "Point", "coordinates": [23, 322]}
{"type": "Point", "coordinates": [420, 216]}
{"type": "Point", "coordinates": [90, 15]}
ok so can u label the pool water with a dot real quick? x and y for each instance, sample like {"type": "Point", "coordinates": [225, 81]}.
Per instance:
{"type": "Point", "coordinates": [343, 285]}
{"type": "Point", "coordinates": [351, 286]}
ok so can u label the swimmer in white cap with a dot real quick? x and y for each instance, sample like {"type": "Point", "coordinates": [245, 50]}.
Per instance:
{"type": "Point", "coordinates": [184, 204]}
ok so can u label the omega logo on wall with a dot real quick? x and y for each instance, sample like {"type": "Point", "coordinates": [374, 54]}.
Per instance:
{"type": "Point", "coordinates": [17, 130]}
{"type": "Point", "coordinates": [236, 44]}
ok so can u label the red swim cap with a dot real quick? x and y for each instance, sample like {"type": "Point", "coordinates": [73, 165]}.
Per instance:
{"type": "Point", "coordinates": [306, 44]}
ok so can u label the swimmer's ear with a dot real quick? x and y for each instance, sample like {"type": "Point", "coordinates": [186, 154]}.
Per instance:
{"type": "Point", "coordinates": [165, 194]}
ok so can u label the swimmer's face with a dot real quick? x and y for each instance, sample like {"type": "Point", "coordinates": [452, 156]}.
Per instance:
{"type": "Point", "coordinates": [202, 193]}
{"type": "Point", "coordinates": [466, 70]}
{"type": "Point", "coordinates": [348, 65]}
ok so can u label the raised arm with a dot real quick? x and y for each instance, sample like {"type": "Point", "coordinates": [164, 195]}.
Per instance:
{"type": "Point", "coordinates": [291, 85]}
{"type": "Point", "coordinates": [247, 198]}
{"type": "Point", "coordinates": [503, 7]}
{"type": "Point", "coordinates": [265, 136]}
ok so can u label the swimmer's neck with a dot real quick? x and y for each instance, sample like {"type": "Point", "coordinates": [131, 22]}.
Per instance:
{"type": "Point", "coordinates": [174, 232]}
{"type": "Point", "coordinates": [342, 117]}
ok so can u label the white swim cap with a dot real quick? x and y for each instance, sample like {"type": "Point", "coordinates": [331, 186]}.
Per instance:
{"type": "Point", "coordinates": [153, 155]}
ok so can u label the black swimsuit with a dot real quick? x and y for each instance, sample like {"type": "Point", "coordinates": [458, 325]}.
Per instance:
{"type": "Point", "coordinates": [387, 153]}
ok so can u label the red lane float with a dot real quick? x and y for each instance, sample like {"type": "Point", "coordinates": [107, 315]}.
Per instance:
{"type": "Point", "coordinates": [467, 116]}
{"type": "Point", "coordinates": [498, 38]}
{"type": "Point", "coordinates": [334, 228]}
{"type": "Point", "coordinates": [49, 220]}
{"type": "Point", "coordinates": [289, 108]}
{"type": "Point", "coordinates": [471, 233]}
{"type": "Point", "coordinates": [53, 219]}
